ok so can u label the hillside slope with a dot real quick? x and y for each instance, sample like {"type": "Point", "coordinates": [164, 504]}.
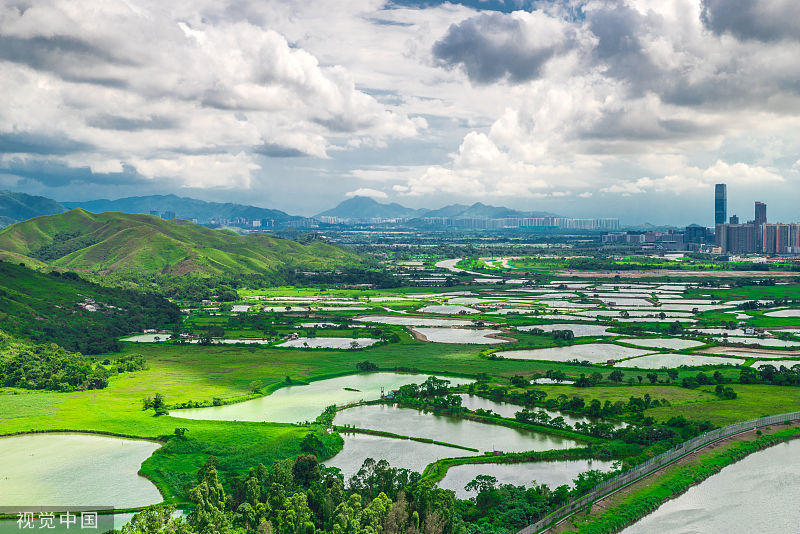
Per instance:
{"type": "Point", "coordinates": [20, 206]}
{"type": "Point", "coordinates": [76, 314]}
{"type": "Point", "coordinates": [143, 244]}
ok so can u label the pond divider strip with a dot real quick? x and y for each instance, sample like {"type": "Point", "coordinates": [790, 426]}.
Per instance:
{"type": "Point", "coordinates": [381, 433]}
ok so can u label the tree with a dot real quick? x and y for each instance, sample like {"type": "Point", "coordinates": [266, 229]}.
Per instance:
{"type": "Point", "coordinates": [519, 381]}
{"type": "Point", "coordinates": [652, 377]}
{"type": "Point", "coordinates": [366, 366]}
{"type": "Point", "coordinates": [306, 470]}
{"type": "Point", "coordinates": [672, 373]}
{"type": "Point", "coordinates": [616, 376]}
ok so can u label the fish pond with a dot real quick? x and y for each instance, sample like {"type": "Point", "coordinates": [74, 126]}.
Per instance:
{"type": "Point", "coordinates": [553, 474]}
{"type": "Point", "coordinates": [481, 436]}
{"type": "Point", "coordinates": [507, 409]}
{"type": "Point", "coordinates": [400, 453]}
{"type": "Point", "coordinates": [62, 469]}
{"type": "Point", "coordinates": [664, 343]}
{"type": "Point", "coordinates": [329, 342]}
{"type": "Point", "coordinates": [657, 361]}
{"type": "Point", "coordinates": [471, 336]}
{"type": "Point", "coordinates": [291, 404]}
{"type": "Point", "coordinates": [410, 320]}
{"type": "Point", "coordinates": [592, 352]}
{"type": "Point", "coordinates": [578, 330]}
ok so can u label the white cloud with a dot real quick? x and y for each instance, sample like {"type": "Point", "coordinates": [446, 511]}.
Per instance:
{"type": "Point", "coordinates": [366, 192]}
{"type": "Point", "coordinates": [694, 178]}
{"type": "Point", "coordinates": [146, 85]}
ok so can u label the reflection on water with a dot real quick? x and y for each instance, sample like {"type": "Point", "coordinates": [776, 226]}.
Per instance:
{"type": "Point", "coordinates": [506, 409]}
{"type": "Point", "coordinates": [400, 453]}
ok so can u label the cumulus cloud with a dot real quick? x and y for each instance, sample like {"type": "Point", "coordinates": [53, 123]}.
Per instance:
{"type": "Point", "coordinates": [694, 178]}
{"type": "Point", "coordinates": [632, 97]}
{"type": "Point", "coordinates": [496, 46]}
{"type": "Point", "coordinates": [366, 192]}
{"type": "Point", "coordinates": [189, 98]}
{"type": "Point", "coordinates": [763, 20]}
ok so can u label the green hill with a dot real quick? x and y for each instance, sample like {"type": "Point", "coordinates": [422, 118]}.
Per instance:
{"type": "Point", "coordinates": [19, 206]}
{"type": "Point", "coordinates": [142, 244]}
{"type": "Point", "coordinates": [74, 313]}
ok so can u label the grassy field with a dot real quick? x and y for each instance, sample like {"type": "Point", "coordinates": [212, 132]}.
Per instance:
{"type": "Point", "coordinates": [753, 401]}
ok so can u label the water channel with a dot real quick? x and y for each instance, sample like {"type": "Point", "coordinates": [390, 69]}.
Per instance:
{"type": "Point", "coordinates": [757, 494]}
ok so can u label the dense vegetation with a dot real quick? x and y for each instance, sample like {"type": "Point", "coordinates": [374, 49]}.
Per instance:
{"type": "Point", "coordinates": [77, 314]}
{"type": "Point", "coordinates": [47, 366]}
{"type": "Point", "coordinates": [142, 244]}
{"type": "Point", "coordinates": [301, 496]}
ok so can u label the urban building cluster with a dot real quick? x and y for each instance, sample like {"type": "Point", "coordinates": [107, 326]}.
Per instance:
{"type": "Point", "coordinates": [755, 236]}
{"type": "Point", "coordinates": [527, 222]}
{"type": "Point", "coordinates": [729, 236]}
{"type": "Point", "coordinates": [489, 223]}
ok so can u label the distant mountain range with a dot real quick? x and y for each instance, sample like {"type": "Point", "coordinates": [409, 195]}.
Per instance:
{"type": "Point", "coordinates": [20, 207]}
{"type": "Point", "coordinates": [182, 207]}
{"type": "Point", "coordinates": [143, 244]}
{"type": "Point", "coordinates": [368, 208]}
{"type": "Point", "coordinates": [16, 207]}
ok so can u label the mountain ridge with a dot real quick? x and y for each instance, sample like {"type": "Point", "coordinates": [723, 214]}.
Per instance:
{"type": "Point", "coordinates": [182, 207]}
{"type": "Point", "coordinates": [367, 208]}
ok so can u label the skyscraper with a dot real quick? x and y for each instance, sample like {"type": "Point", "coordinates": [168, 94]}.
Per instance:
{"type": "Point", "coordinates": [761, 213]}
{"type": "Point", "coordinates": [720, 203]}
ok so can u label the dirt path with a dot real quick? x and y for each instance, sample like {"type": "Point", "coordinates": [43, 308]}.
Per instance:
{"type": "Point", "coordinates": [612, 500]}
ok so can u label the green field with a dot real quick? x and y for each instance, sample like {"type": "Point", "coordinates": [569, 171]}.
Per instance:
{"type": "Point", "coordinates": [195, 373]}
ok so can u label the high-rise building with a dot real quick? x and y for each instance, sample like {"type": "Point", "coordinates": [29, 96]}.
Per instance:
{"type": "Point", "coordinates": [737, 238]}
{"type": "Point", "coordinates": [761, 213]}
{"type": "Point", "coordinates": [780, 238]}
{"type": "Point", "coordinates": [720, 203]}
{"type": "Point", "coordinates": [694, 233]}
{"type": "Point", "coordinates": [734, 219]}
{"type": "Point", "coordinates": [168, 215]}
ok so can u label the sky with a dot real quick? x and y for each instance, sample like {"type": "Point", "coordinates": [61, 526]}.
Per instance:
{"type": "Point", "coordinates": [587, 108]}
